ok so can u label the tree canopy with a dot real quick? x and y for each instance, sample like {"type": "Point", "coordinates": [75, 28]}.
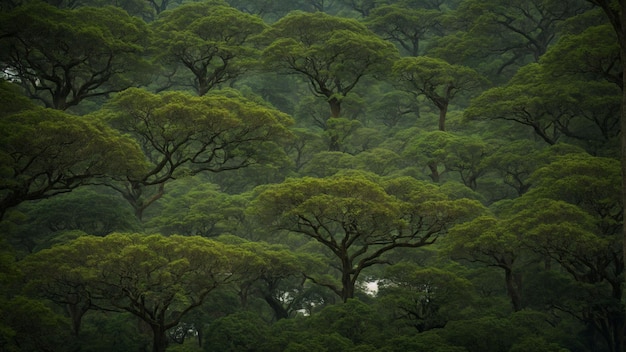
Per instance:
{"type": "Point", "coordinates": [181, 134]}
{"type": "Point", "coordinates": [358, 220]}
{"type": "Point", "coordinates": [209, 40]}
{"type": "Point", "coordinates": [64, 57]}
{"type": "Point", "coordinates": [312, 175]}
{"type": "Point", "coordinates": [332, 54]}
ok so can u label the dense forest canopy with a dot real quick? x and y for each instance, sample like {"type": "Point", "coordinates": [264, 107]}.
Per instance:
{"type": "Point", "coordinates": [312, 175]}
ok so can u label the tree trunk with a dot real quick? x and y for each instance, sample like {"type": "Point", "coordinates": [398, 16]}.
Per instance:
{"type": "Point", "coordinates": [279, 311]}
{"type": "Point", "coordinates": [434, 172]}
{"type": "Point", "coordinates": [513, 284]}
{"type": "Point", "coordinates": [347, 279]}
{"type": "Point", "coordinates": [617, 330]}
{"type": "Point", "coordinates": [76, 313]}
{"type": "Point", "coordinates": [159, 338]}
{"type": "Point", "coordinates": [202, 86]}
{"type": "Point", "coordinates": [347, 290]}
{"type": "Point", "coordinates": [335, 107]}
{"type": "Point", "coordinates": [333, 144]}
{"type": "Point", "coordinates": [199, 329]}
{"type": "Point", "coordinates": [443, 111]}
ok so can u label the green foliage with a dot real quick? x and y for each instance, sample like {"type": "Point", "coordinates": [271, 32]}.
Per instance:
{"type": "Point", "coordinates": [183, 135]}
{"type": "Point", "coordinates": [331, 53]}
{"type": "Point", "coordinates": [47, 152]}
{"type": "Point", "coordinates": [597, 61]}
{"type": "Point", "coordinates": [525, 30]}
{"type": "Point", "coordinates": [368, 190]}
{"type": "Point", "coordinates": [12, 100]}
{"type": "Point", "coordinates": [551, 107]}
{"type": "Point", "coordinates": [31, 325]}
{"type": "Point", "coordinates": [209, 40]}
{"type": "Point", "coordinates": [353, 320]}
{"type": "Point", "coordinates": [436, 80]}
{"type": "Point", "coordinates": [358, 220]}
{"type": "Point", "coordinates": [424, 298]}
{"type": "Point", "coordinates": [157, 279]}
{"type": "Point", "coordinates": [91, 210]}
{"type": "Point", "coordinates": [405, 26]}
{"type": "Point", "coordinates": [201, 210]}
{"type": "Point", "coordinates": [536, 344]}
{"type": "Point", "coordinates": [422, 342]}
{"type": "Point", "coordinates": [242, 331]}
{"type": "Point", "coordinates": [63, 57]}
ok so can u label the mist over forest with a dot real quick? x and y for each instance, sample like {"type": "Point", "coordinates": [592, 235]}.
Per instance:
{"type": "Point", "coordinates": [312, 175]}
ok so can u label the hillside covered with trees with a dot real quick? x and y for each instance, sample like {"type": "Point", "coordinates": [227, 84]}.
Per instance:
{"type": "Point", "coordinates": [312, 175]}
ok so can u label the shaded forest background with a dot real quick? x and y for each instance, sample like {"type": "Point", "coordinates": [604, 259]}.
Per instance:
{"type": "Point", "coordinates": [310, 175]}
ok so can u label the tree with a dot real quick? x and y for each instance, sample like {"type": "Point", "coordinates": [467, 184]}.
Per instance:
{"type": "Point", "coordinates": [140, 8]}
{"type": "Point", "coordinates": [460, 154]}
{"type": "Point", "coordinates": [269, 10]}
{"type": "Point", "coordinates": [573, 240]}
{"type": "Point", "coordinates": [570, 220]}
{"type": "Point", "coordinates": [465, 156]}
{"type": "Point", "coordinates": [615, 15]}
{"type": "Point", "coordinates": [380, 161]}
{"type": "Point", "coordinates": [361, 6]}
{"type": "Point", "coordinates": [199, 208]}
{"type": "Point", "coordinates": [496, 333]}
{"type": "Point", "coordinates": [242, 331]}
{"type": "Point", "coordinates": [279, 281]}
{"type": "Point", "coordinates": [302, 147]}
{"type": "Point", "coordinates": [405, 26]}
{"type": "Point", "coordinates": [87, 209]}
{"type": "Point", "coordinates": [592, 52]}
{"type": "Point", "coordinates": [597, 71]}
{"type": "Point", "coordinates": [327, 163]}
{"type": "Point", "coordinates": [554, 108]}
{"type": "Point", "coordinates": [515, 162]}
{"type": "Point", "coordinates": [157, 279]}
{"type": "Point", "coordinates": [63, 57]}
{"type": "Point", "coordinates": [437, 80]}
{"type": "Point", "coordinates": [332, 54]}
{"type": "Point", "coordinates": [354, 320]}
{"type": "Point", "coordinates": [429, 149]}
{"type": "Point", "coordinates": [209, 39]}
{"type": "Point", "coordinates": [63, 278]}
{"type": "Point", "coordinates": [32, 326]}
{"type": "Point", "coordinates": [489, 241]}
{"type": "Point", "coordinates": [358, 220]}
{"type": "Point", "coordinates": [338, 131]}
{"type": "Point", "coordinates": [162, 5]}
{"type": "Point", "coordinates": [424, 298]}
{"type": "Point", "coordinates": [45, 152]}
{"type": "Point", "coordinates": [591, 183]}
{"type": "Point", "coordinates": [396, 108]}
{"type": "Point", "coordinates": [181, 134]}
{"type": "Point", "coordinates": [515, 32]}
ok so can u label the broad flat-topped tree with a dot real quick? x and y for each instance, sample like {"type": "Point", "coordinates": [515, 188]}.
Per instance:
{"type": "Point", "coordinates": [436, 80]}
{"type": "Point", "coordinates": [359, 220]}
{"type": "Point", "coordinates": [404, 26]}
{"type": "Point", "coordinates": [513, 31]}
{"type": "Point", "coordinates": [155, 278]}
{"type": "Point", "coordinates": [333, 54]}
{"type": "Point", "coordinates": [45, 152]}
{"type": "Point", "coordinates": [555, 107]}
{"type": "Point", "coordinates": [62, 57]}
{"type": "Point", "coordinates": [182, 134]}
{"type": "Point", "coordinates": [209, 39]}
